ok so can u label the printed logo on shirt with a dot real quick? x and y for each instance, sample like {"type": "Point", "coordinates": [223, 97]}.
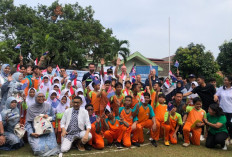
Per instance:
{"type": "Point", "coordinates": [131, 117]}
{"type": "Point", "coordinates": [116, 125]}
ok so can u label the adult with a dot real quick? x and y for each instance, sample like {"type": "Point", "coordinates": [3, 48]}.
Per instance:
{"type": "Point", "coordinates": [75, 125]}
{"type": "Point", "coordinates": [87, 76]}
{"type": "Point", "coordinates": [109, 72]}
{"type": "Point", "coordinates": [216, 122]}
{"type": "Point", "coordinates": [225, 101]}
{"type": "Point", "coordinates": [75, 82]}
{"type": "Point", "coordinates": [154, 79]}
{"type": "Point", "coordinates": [191, 78]}
{"type": "Point", "coordinates": [139, 79]}
{"type": "Point", "coordinates": [2, 136]}
{"type": "Point", "coordinates": [45, 144]}
{"type": "Point", "coordinates": [124, 76]}
{"type": "Point", "coordinates": [10, 118]}
{"type": "Point", "coordinates": [205, 91]}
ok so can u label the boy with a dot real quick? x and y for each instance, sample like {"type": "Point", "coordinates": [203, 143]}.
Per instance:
{"type": "Point", "coordinates": [97, 141]}
{"type": "Point", "coordinates": [106, 89]}
{"type": "Point", "coordinates": [94, 96]}
{"type": "Point", "coordinates": [127, 90]}
{"type": "Point", "coordinates": [172, 122]}
{"type": "Point", "coordinates": [114, 129]}
{"type": "Point", "coordinates": [130, 118]}
{"type": "Point", "coordinates": [146, 119]}
{"type": "Point", "coordinates": [136, 96]}
{"type": "Point", "coordinates": [194, 123]}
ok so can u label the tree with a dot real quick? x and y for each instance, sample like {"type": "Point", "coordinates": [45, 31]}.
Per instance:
{"type": "Point", "coordinates": [118, 49]}
{"type": "Point", "coordinates": [193, 59]}
{"type": "Point", "coordinates": [225, 56]}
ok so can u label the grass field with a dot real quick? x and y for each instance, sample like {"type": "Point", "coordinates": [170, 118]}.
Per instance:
{"type": "Point", "coordinates": [146, 150]}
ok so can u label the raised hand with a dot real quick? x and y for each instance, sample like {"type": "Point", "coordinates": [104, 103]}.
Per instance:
{"type": "Point", "coordinates": [10, 78]}
{"type": "Point", "coordinates": [118, 61]}
{"type": "Point", "coordinates": [102, 61]}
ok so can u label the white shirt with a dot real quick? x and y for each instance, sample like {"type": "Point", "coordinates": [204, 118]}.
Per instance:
{"type": "Point", "coordinates": [0, 117]}
{"type": "Point", "coordinates": [225, 99]}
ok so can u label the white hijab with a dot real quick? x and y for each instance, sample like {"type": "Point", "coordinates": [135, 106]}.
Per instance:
{"type": "Point", "coordinates": [62, 107]}
{"type": "Point", "coordinates": [30, 100]}
{"type": "Point", "coordinates": [45, 86]}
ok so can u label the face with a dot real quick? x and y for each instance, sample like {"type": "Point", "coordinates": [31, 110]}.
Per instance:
{"type": "Point", "coordinates": [191, 79]}
{"type": "Point", "coordinates": [178, 97]}
{"type": "Point", "coordinates": [77, 103]}
{"type": "Point", "coordinates": [7, 70]}
{"type": "Point", "coordinates": [13, 104]}
{"type": "Point", "coordinates": [29, 70]}
{"type": "Point", "coordinates": [138, 78]}
{"type": "Point", "coordinates": [57, 81]}
{"type": "Point", "coordinates": [69, 85]}
{"type": "Point", "coordinates": [128, 85]}
{"type": "Point", "coordinates": [107, 86]}
{"type": "Point", "coordinates": [173, 110]}
{"type": "Point", "coordinates": [91, 68]}
{"type": "Point", "coordinates": [80, 93]}
{"type": "Point", "coordinates": [66, 94]}
{"type": "Point", "coordinates": [90, 110]}
{"type": "Point", "coordinates": [40, 98]}
{"type": "Point", "coordinates": [36, 71]}
{"type": "Point", "coordinates": [147, 99]}
{"type": "Point", "coordinates": [214, 83]}
{"type": "Point", "coordinates": [56, 88]}
{"type": "Point", "coordinates": [32, 93]}
{"type": "Point", "coordinates": [45, 80]}
{"type": "Point", "coordinates": [161, 100]}
{"type": "Point", "coordinates": [123, 69]}
{"type": "Point", "coordinates": [111, 115]}
{"type": "Point", "coordinates": [193, 86]}
{"type": "Point", "coordinates": [53, 96]}
{"type": "Point", "coordinates": [178, 84]}
{"type": "Point", "coordinates": [155, 87]}
{"type": "Point", "coordinates": [64, 100]}
{"type": "Point", "coordinates": [227, 82]}
{"type": "Point", "coordinates": [140, 85]}
{"type": "Point", "coordinates": [49, 69]}
{"type": "Point", "coordinates": [113, 83]}
{"type": "Point", "coordinates": [200, 81]}
{"type": "Point", "coordinates": [62, 71]}
{"type": "Point", "coordinates": [153, 72]}
{"type": "Point", "coordinates": [211, 112]}
{"type": "Point", "coordinates": [20, 77]}
{"type": "Point", "coordinates": [127, 103]}
{"type": "Point", "coordinates": [118, 89]}
{"type": "Point", "coordinates": [23, 70]}
{"type": "Point", "coordinates": [137, 89]}
{"type": "Point", "coordinates": [198, 105]}
{"type": "Point", "coordinates": [75, 73]}
{"type": "Point", "coordinates": [179, 78]}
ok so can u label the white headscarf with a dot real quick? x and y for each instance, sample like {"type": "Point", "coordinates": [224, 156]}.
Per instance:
{"type": "Point", "coordinates": [61, 107]}
{"type": "Point", "coordinates": [58, 93]}
{"type": "Point", "coordinates": [63, 93]}
{"type": "Point", "coordinates": [45, 86]}
{"type": "Point", "coordinates": [30, 100]}
{"type": "Point", "coordinates": [66, 87]}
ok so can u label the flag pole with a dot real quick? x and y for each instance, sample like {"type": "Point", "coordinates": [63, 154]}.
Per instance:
{"type": "Point", "coordinates": [169, 66]}
{"type": "Point", "coordinates": [20, 52]}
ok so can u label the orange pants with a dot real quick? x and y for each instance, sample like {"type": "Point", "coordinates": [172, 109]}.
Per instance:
{"type": "Point", "coordinates": [138, 132]}
{"type": "Point", "coordinates": [117, 135]}
{"type": "Point", "coordinates": [126, 138]}
{"type": "Point", "coordinates": [196, 134]}
{"type": "Point", "coordinates": [159, 130]}
{"type": "Point", "coordinates": [58, 132]}
{"type": "Point", "coordinates": [168, 133]}
{"type": "Point", "coordinates": [97, 141]}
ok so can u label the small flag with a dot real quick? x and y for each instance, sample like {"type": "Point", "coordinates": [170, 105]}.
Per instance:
{"type": "Point", "coordinates": [72, 76]}
{"type": "Point", "coordinates": [24, 85]}
{"type": "Point", "coordinates": [18, 46]}
{"type": "Point", "coordinates": [176, 64]}
{"type": "Point", "coordinates": [44, 71]}
{"type": "Point", "coordinates": [18, 67]}
{"type": "Point", "coordinates": [170, 106]}
{"type": "Point", "coordinates": [173, 77]}
{"type": "Point", "coordinates": [108, 107]}
{"type": "Point", "coordinates": [71, 91]}
{"type": "Point", "coordinates": [110, 94]}
{"type": "Point", "coordinates": [36, 61]}
{"type": "Point", "coordinates": [167, 83]}
{"type": "Point", "coordinates": [45, 53]}
{"type": "Point", "coordinates": [57, 68]}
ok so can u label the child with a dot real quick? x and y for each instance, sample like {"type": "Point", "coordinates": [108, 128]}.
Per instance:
{"type": "Point", "coordinates": [127, 90]}
{"type": "Point", "coordinates": [193, 123]}
{"type": "Point", "coordinates": [97, 141]}
{"type": "Point", "coordinates": [56, 87]}
{"type": "Point", "coordinates": [117, 99]}
{"type": "Point", "coordinates": [62, 106]}
{"type": "Point", "coordinates": [45, 85]}
{"type": "Point", "coordinates": [146, 119]}
{"type": "Point", "coordinates": [52, 100]}
{"type": "Point", "coordinates": [114, 129]}
{"type": "Point", "coordinates": [126, 114]}
{"type": "Point", "coordinates": [68, 86]}
{"type": "Point", "coordinates": [172, 122]}
{"type": "Point", "coordinates": [136, 96]}
{"type": "Point", "coordinates": [159, 109]}
{"type": "Point", "coordinates": [94, 96]}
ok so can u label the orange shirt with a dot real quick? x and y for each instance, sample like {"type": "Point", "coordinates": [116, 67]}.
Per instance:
{"type": "Point", "coordinates": [160, 111]}
{"type": "Point", "coordinates": [195, 115]}
{"type": "Point", "coordinates": [135, 100]}
{"type": "Point", "coordinates": [115, 99]}
{"type": "Point", "coordinates": [127, 117]}
{"type": "Point", "coordinates": [95, 101]}
{"type": "Point", "coordinates": [113, 126]}
{"type": "Point", "coordinates": [145, 112]}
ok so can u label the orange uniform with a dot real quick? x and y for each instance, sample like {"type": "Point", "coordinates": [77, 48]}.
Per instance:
{"type": "Point", "coordinates": [116, 102]}
{"type": "Point", "coordinates": [127, 92]}
{"type": "Point", "coordinates": [153, 95]}
{"type": "Point", "coordinates": [169, 129]}
{"type": "Point", "coordinates": [159, 110]}
{"type": "Point", "coordinates": [95, 101]}
{"type": "Point", "coordinates": [128, 118]}
{"type": "Point", "coordinates": [194, 116]}
{"type": "Point", "coordinates": [115, 132]}
{"type": "Point", "coordinates": [97, 141]}
{"type": "Point", "coordinates": [144, 121]}
{"type": "Point", "coordinates": [135, 100]}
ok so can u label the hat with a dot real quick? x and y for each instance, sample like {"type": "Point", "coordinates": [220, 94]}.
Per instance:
{"type": "Point", "coordinates": [192, 76]}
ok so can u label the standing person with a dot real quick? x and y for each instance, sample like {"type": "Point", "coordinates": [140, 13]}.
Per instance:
{"type": "Point", "coordinates": [75, 125]}
{"type": "Point", "coordinates": [42, 145]}
{"type": "Point", "coordinates": [87, 76]}
{"type": "Point", "coordinates": [154, 79]}
{"type": "Point", "coordinates": [224, 95]}
{"type": "Point", "coordinates": [95, 97]}
{"type": "Point", "coordinates": [191, 78]}
{"type": "Point", "coordinates": [213, 81]}
{"type": "Point", "coordinates": [109, 74]}
{"type": "Point", "coordinates": [75, 82]}
{"type": "Point", "coordinates": [216, 122]}
{"type": "Point", "coordinates": [124, 75]}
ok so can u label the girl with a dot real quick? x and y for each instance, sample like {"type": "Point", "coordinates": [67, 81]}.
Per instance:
{"type": "Point", "coordinates": [52, 99]}
{"type": "Point", "coordinates": [45, 86]}
{"type": "Point", "coordinates": [70, 88]}
{"type": "Point", "coordinates": [56, 87]}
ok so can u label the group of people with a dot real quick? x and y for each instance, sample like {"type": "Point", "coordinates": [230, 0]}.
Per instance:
{"type": "Point", "coordinates": [112, 106]}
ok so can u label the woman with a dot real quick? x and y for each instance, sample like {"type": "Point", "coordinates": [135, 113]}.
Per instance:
{"type": "Point", "coordinates": [10, 118]}
{"type": "Point", "coordinates": [5, 70]}
{"type": "Point", "coordinates": [224, 95]}
{"type": "Point", "coordinates": [216, 122]}
{"type": "Point", "coordinates": [42, 145]}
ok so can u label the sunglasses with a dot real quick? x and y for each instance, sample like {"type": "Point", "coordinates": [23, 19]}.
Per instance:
{"type": "Point", "coordinates": [89, 109]}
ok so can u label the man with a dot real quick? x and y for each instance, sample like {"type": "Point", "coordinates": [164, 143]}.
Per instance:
{"type": "Point", "coordinates": [213, 82]}
{"type": "Point", "coordinates": [154, 79]}
{"type": "Point", "coordinates": [87, 76]}
{"type": "Point", "coordinates": [191, 78]}
{"type": "Point", "coordinates": [109, 74]}
{"type": "Point", "coordinates": [138, 79]}
{"type": "Point", "coordinates": [2, 137]}
{"type": "Point", "coordinates": [75, 125]}
{"type": "Point", "coordinates": [75, 82]}
{"type": "Point", "coordinates": [124, 76]}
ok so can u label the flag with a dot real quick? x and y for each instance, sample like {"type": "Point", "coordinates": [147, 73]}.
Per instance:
{"type": "Point", "coordinates": [108, 107]}
{"type": "Point", "coordinates": [44, 71]}
{"type": "Point", "coordinates": [71, 91]}
{"type": "Point", "coordinates": [110, 94]}
{"type": "Point", "coordinates": [133, 74]}
{"type": "Point", "coordinates": [24, 85]}
{"type": "Point", "coordinates": [170, 106]}
{"type": "Point", "coordinates": [57, 68]}
{"type": "Point", "coordinates": [176, 64]}
{"type": "Point", "coordinates": [167, 83]}
{"type": "Point", "coordinates": [173, 77]}
{"type": "Point", "coordinates": [45, 53]}
{"type": "Point", "coordinates": [36, 61]}
{"type": "Point", "coordinates": [18, 46]}
{"type": "Point", "coordinates": [18, 67]}
{"type": "Point", "coordinates": [72, 76]}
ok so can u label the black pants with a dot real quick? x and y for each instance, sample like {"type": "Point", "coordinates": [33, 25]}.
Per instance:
{"type": "Point", "coordinates": [228, 123]}
{"type": "Point", "coordinates": [213, 140]}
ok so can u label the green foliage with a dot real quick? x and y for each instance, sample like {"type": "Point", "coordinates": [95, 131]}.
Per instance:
{"type": "Point", "coordinates": [224, 58]}
{"type": "Point", "coordinates": [69, 33]}
{"type": "Point", "coordinates": [193, 59]}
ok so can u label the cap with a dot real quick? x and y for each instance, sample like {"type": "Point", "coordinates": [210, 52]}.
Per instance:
{"type": "Point", "coordinates": [192, 75]}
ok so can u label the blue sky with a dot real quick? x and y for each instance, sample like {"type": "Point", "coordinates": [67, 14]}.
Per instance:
{"type": "Point", "coordinates": [145, 22]}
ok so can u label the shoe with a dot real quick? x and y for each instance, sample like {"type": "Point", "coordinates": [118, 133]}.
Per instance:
{"type": "Point", "coordinates": [186, 144]}
{"type": "Point", "coordinates": [153, 142]}
{"type": "Point", "coordinates": [136, 144]}
{"type": "Point", "coordinates": [227, 142]}
{"type": "Point", "coordinates": [118, 145]}
{"type": "Point", "coordinates": [60, 154]}
{"type": "Point", "coordinates": [202, 138]}
{"type": "Point", "coordinates": [80, 146]}
{"type": "Point", "coordinates": [150, 139]}
{"type": "Point", "coordinates": [225, 147]}
{"type": "Point", "coordinates": [88, 147]}
{"type": "Point", "coordinates": [109, 145]}
{"type": "Point", "coordinates": [166, 143]}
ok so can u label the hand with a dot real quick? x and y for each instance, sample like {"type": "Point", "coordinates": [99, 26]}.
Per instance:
{"type": "Point", "coordinates": [103, 117]}
{"type": "Point", "coordinates": [20, 58]}
{"type": "Point", "coordinates": [98, 119]}
{"type": "Point", "coordinates": [200, 124]}
{"type": "Point", "coordinates": [118, 61]}
{"type": "Point", "coordinates": [83, 84]}
{"type": "Point", "coordinates": [153, 127]}
{"type": "Point", "coordinates": [21, 126]}
{"type": "Point", "coordinates": [10, 78]}
{"type": "Point", "coordinates": [2, 140]}
{"type": "Point", "coordinates": [102, 61]}
{"type": "Point", "coordinates": [55, 75]}
{"type": "Point", "coordinates": [33, 77]}
{"type": "Point", "coordinates": [215, 98]}
{"type": "Point", "coordinates": [65, 75]}
{"type": "Point", "coordinates": [35, 135]}
{"type": "Point", "coordinates": [133, 126]}
{"type": "Point", "coordinates": [121, 120]}
{"type": "Point", "coordinates": [45, 116]}
{"type": "Point", "coordinates": [64, 133]}
{"type": "Point", "coordinates": [66, 107]}
{"type": "Point", "coordinates": [85, 138]}
{"type": "Point", "coordinates": [149, 76]}
{"type": "Point", "coordinates": [205, 121]}
{"type": "Point", "coordinates": [24, 97]}
{"type": "Point", "coordinates": [103, 87]}
{"type": "Point", "coordinates": [174, 136]}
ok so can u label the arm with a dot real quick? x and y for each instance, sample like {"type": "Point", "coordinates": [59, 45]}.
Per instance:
{"type": "Point", "coordinates": [187, 94]}
{"type": "Point", "coordinates": [185, 117]}
{"type": "Point", "coordinates": [116, 69]}
{"type": "Point", "coordinates": [154, 123]}
{"type": "Point", "coordinates": [217, 125]}
{"type": "Point", "coordinates": [105, 124]}
{"type": "Point", "coordinates": [21, 60]}
{"type": "Point", "coordinates": [168, 119]}
{"type": "Point", "coordinates": [2, 137]}
{"type": "Point", "coordinates": [102, 69]}
{"type": "Point", "coordinates": [150, 82]}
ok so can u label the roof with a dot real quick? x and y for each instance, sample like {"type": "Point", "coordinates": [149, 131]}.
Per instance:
{"type": "Point", "coordinates": [140, 57]}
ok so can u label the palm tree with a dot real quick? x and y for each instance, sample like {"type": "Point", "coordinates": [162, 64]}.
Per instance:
{"type": "Point", "coordinates": [120, 49]}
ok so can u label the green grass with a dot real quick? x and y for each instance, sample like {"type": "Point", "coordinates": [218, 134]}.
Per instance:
{"type": "Point", "coordinates": [146, 150]}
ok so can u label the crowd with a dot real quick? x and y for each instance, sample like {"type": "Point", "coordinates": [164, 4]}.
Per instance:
{"type": "Point", "coordinates": [112, 106]}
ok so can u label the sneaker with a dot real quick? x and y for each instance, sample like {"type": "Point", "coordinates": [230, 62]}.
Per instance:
{"type": "Point", "coordinates": [186, 144]}
{"type": "Point", "coordinates": [202, 138]}
{"type": "Point", "coordinates": [153, 142]}
{"type": "Point", "coordinates": [166, 143]}
{"type": "Point", "coordinates": [109, 145]}
{"type": "Point", "coordinates": [150, 139]}
{"type": "Point", "coordinates": [60, 154]}
{"type": "Point", "coordinates": [88, 147]}
{"type": "Point", "coordinates": [80, 147]}
{"type": "Point", "coordinates": [225, 147]}
{"type": "Point", "coordinates": [227, 142]}
{"type": "Point", "coordinates": [136, 144]}
{"type": "Point", "coordinates": [118, 145]}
